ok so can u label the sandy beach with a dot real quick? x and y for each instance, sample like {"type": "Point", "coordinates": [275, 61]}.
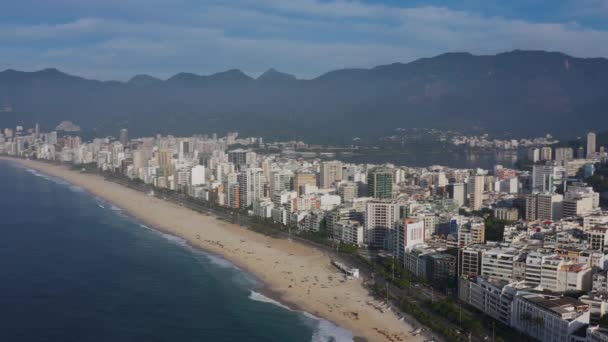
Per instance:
{"type": "Point", "coordinates": [300, 276]}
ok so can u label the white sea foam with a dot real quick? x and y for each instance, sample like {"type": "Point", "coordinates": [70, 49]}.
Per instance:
{"type": "Point", "coordinates": [76, 188]}
{"type": "Point", "coordinates": [174, 239]}
{"type": "Point", "coordinates": [219, 261]}
{"type": "Point", "coordinates": [145, 227]}
{"type": "Point", "coordinates": [238, 275]}
{"type": "Point", "coordinates": [171, 238]}
{"type": "Point", "coordinates": [325, 331]}
{"type": "Point", "coordinates": [48, 177]}
{"type": "Point", "coordinates": [37, 174]}
{"type": "Point", "coordinates": [258, 297]}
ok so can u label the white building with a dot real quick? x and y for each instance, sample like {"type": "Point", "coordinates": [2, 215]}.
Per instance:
{"type": "Point", "coordinates": [597, 334]}
{"type": "Point", "coordinates": [331, 172]}
{"type": "Point", "coordinates": [470, 231]}
{"type": "Point", "coordinates": [544, 206]}
{"type": "Point", "coordinates": [408, 234]}
{"type": "Point", "coordinates": [548, 318]}
{"type": "Point", "coordinates": [381, 219]}
{"type": "Point", "coordinates": [580, 200]}
{"type": "Point", "coordinates": [498, 263]}
{"type": "Point", "coordinates": [348, 231]}
{"type": "Point", "coordinates": [488, 295]}
{"type": "Point", "coordinates": [281, 181]}
{"type": "Point", "coordinates": [475, 191]}
{"type": "Point", "coordinates": [598, 306]}
{"type": "Point", "coordinates": [262, 207]}
{"type": "Point", "coordinates": [545, 178]}
{"type": "Point", "coordinates": [591, 145]}
{"type": "Point", "coordinates": [197, 175]}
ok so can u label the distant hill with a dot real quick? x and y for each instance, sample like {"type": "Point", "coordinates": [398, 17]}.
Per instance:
{"type": "Point", "coordinates": [272, 75]}
{"type": "Point", "coordinates": [67, 126]}
{"type": "Point", "coordinates": [144, 80]}
{"type": "Point", "coordinates": [520, 92]}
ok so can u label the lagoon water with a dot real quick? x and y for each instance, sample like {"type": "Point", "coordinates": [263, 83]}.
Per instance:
{"type": "Point", "coordinates": [75, 268]}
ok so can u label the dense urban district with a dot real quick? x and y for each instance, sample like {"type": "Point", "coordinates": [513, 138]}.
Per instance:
{"type": "Point", "coordinates": [518, 253]}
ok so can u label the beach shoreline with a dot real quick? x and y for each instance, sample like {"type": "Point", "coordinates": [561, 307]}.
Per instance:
{"type": "Point", "coordinates": [298, 276]}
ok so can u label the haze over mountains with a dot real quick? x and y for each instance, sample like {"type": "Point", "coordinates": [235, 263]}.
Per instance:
{"type": "Point", "coordinates": [519, 92]}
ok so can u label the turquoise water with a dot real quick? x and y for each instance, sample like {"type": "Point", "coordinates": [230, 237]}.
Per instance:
{"type": "Point", "coordinates": [75, 268]}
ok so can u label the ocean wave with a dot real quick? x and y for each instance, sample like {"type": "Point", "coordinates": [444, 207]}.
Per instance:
{"type": "Point", "coordinates": [38, 174]}
{"type": "Point", "coordinates": [48, 177]}
{"type": "Point", "coordinates": [76, 188]}
{"type": "Point", "coordinates": [221, 262]}
{"type": "Point", "coordinates": [324, 331]}
{"type": "Point", "coordinates": [56, 180]}
{"type": "Point", "coordinates": [145, 227]}
{"type": "Point", "coordinates": [238, 275]}
{"type": "Point", "coordinates": [258, 297]}
{"type": "Point", "coordinates": [174, 239]}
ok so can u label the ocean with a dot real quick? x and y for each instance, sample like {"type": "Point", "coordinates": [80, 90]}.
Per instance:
{"type": "Point", "coordinates": [75, 268]}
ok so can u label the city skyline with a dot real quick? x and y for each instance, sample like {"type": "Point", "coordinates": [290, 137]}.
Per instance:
{"type": "Point", "coordinates": [304, 170]}
{"type": "Point", "coordinates": [470, 234]}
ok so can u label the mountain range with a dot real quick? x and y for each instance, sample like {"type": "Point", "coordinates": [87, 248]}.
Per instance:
{"type": "Point", "coordinates": [517, 92]}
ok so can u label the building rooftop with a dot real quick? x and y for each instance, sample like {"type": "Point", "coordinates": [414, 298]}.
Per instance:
{"type": "Point", "coordinates": [559, 305]}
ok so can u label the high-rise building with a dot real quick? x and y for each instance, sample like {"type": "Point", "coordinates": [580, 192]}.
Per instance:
{"type": "Point", "coordinates": [544, 206]}
{"type": "Point", "coordinates": [534, 154]}
{"type": "Point", "coordinates": [302, 179]}
{"type": "Point", "coordinates": [579, 200]}
{"type": "Point", "coordinates": [564, 153]}
{"type": "Point", "coordinates": [117, 154]}
{"type": "Point", "coordinates": [348, 191]}
{"type": "Point", "coordinates": [408, 233]}
{"type": "Point", "coordinates": [381, 219]}
{"type": "Point", "coordinates": [331, 172]}
{"type": "Point", "coordinates": [238, 157]}
{"type": "Point", "coordinates": [184, 149]}
{"type": "Point", "coordinates": [164, 158]}
{"type": "Point", "coordinates": [591, 146]}
{"type": "Point", "coordinates": [244, 180]}
{"type": "Point", "coordinates": [138, 159]}
{"type": "Point", "coordinates": [124, 136]}
{"type": "Point", "coordinates": [499, 263]}
{"type": "Point", "coordinates": [197, 175]}
{"type": "Point", "coordinates": [280, 180]}
{"type": "Point", "coordinates": [546, 153]}
{"type": "Point", "coordinates": [475, 190]}
{"type": "Point", "coordinates": [380, 183]}
{"type": "Point", "coordinates": [470, 261]}
{"type": "Point", "coordinates": [471, 232]}
{"type": "Point", "coordinates": [256, 183]}
{"type": "Point", "coordinates": [580, 152]}
{"type": "Point", "coordinates": [547, 177]}
{"type": "Point", "coordinates": [233, 195]}
{"type": "Point", "coordinates": [51, 138]}
{"type": "Point", "coordinates": [507, 214]}
{"type": "Point", "coordinates": [457, 193]}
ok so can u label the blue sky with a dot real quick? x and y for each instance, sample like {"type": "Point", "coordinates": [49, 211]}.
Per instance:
{"type": "Point", "coordinates": [115, 39]}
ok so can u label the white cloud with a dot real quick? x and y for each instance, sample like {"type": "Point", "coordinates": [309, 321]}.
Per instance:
{"type": "Point", "coordinates": [591, 8]}
{"type": "Point", "coordinates": [306, 37]}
